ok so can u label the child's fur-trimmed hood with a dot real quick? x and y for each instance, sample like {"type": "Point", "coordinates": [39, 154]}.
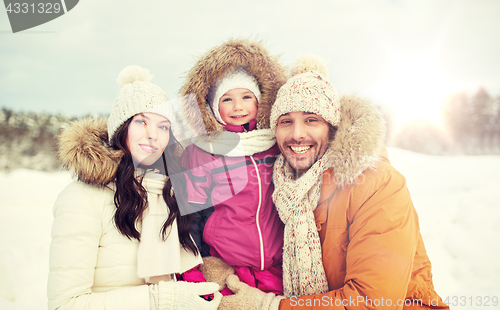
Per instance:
{"type": "Point", "coordinates": [83, 148]}
{"type": "Point", "coordinates": [216, 63]}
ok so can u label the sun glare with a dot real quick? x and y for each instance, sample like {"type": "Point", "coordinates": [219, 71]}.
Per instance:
{"type": "Point", "coordinates": [415, 87]}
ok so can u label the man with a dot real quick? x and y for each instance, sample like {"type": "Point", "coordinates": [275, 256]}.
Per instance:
{"type": "Point", "coordinates": [352, 238]}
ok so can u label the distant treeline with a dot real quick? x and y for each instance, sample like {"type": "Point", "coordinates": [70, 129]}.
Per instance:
{"type": "Point", "coordinates": [28, 140]}
{"type": "Point", "coordinates": [471, 127]}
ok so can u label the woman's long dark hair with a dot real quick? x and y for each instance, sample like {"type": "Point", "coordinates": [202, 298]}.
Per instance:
{"type": "Point", "coordinates": [131, 197]}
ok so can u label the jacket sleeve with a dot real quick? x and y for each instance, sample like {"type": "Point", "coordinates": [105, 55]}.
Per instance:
{"type": "Point", "coordinates": [198, 177]}
{"type": "Point", "coordinates": [382, 238]}
{"type": "Point", "coordinates": [198, 184]}
{"type": "Point", "coordinates": [200, 218]}
{"type": "Point", "coordinates": [76, 232]}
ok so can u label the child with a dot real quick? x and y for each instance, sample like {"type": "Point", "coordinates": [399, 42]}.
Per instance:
{"type": "Point", "coordinates": [229, 171]}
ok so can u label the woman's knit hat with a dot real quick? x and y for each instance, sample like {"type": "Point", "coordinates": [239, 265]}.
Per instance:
{"type": "Point", "coordinates": [138, 95]}
{"type": "Point", "coordinates": [308, 90]}
{"type": "Point", "coordinates": [236, 79]}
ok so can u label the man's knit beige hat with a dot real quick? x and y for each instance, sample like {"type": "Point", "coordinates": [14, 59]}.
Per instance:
{"type": "Point", "coordinates": [138, 95]}
{"type": "Point", "coordinates": [307, 90]}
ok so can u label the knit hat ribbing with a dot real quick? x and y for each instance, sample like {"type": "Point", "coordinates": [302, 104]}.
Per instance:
{"type": "Point", "coordinates": [308, 90]}
{"type": "Point", "coordinates": [236, 79]}
{"type": "Point", "coordinates": [138, 95]}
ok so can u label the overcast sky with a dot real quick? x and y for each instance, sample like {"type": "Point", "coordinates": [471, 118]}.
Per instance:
{"type": "Point", "coordinates": [406, 53]}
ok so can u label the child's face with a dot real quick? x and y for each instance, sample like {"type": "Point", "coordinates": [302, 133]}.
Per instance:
{"type": "Point", "coordinates": [238, 106]}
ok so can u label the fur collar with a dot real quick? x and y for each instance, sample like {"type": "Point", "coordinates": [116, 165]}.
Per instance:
{"type": "Point", "coordinates": [216, 63]}
{"type": "Point", "coordinates": [85, 151]}
{"type": "Point", "coordinates": [359, 141]}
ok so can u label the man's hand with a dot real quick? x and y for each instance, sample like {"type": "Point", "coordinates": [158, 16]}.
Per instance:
{"type": "Point", "coordinates": [247, 298]}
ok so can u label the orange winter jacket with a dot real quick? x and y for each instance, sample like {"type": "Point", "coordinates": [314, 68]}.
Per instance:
{"type": "Point", "coordinates": [373, 254]}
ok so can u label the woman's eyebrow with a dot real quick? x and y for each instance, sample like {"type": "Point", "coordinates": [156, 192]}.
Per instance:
{"type": "Point", "coordinates": [159, 122]}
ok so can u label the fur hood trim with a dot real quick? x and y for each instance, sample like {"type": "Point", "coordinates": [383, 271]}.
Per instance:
{"type": "Point", "coordinates": [270, 76]}
{"type": "Point", "coordinates": [359, 140]}
{"type": "Point", "coordinates": [85, 151]}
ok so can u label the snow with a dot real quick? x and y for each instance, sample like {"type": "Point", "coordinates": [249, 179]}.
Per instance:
{"type": "Point", "coordinates": [27, 198]}
{"type": "Point", "coordinates": [456, 199]}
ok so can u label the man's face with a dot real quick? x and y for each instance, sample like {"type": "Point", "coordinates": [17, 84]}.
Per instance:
{"type": "Point", "coordinates": [302, 138]}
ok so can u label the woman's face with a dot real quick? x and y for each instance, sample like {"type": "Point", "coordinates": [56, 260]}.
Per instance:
{"type": "Point", "coordinates": [148, 135]}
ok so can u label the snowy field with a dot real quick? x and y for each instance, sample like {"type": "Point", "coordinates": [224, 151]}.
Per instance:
{"type": "Point", "coordinates": [457, 199]}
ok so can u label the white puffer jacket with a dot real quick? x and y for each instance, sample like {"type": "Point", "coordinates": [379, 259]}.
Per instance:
{"type": "Point", "coordinates": [92, 265]}
{"type": "Point", "coordinates": [89, 257]}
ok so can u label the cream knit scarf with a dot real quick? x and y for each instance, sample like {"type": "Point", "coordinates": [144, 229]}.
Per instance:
{"type": "Point", "coordinates": [155, 256]}
{"type": "Point", "coordinates": [296, 199]}
{"type": "Point", "coordinates": [234, 144]}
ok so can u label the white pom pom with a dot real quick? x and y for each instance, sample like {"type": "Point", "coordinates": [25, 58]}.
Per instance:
{"type": "Point", "coordinates": [133, 73]}
{"type": "Point", "coordinates": [306, 62]}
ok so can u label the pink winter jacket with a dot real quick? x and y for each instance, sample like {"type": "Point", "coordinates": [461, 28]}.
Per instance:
{"type": "Point", "coordinates": [244, 228]}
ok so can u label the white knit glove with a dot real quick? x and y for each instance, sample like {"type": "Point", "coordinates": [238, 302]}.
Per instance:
{"type": "Point", "coordinates": [183, 295]}
{"type": "Point", "coordinates": [246, 297]}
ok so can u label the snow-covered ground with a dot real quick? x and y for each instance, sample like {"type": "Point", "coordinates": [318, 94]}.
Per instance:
{"type": "Point", "coordinates": [457, 199]}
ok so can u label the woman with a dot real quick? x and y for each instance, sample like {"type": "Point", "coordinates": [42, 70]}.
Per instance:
{"type": "Point", "coordinates": [118, 240]}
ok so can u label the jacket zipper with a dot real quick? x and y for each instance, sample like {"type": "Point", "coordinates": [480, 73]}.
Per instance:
{"type": "Point", "coordinates": [257, 216]}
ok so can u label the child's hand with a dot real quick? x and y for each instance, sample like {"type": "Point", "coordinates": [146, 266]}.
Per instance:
{"type": "Point", "coordinates": [215, 270]}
